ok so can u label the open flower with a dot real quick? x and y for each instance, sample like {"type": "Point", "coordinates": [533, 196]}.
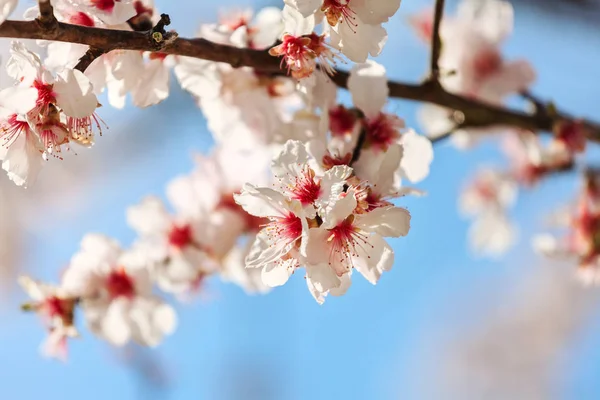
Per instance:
{"type": "Point", "coordinates": [354, 26]}
{"type": "Point", "coordinates": [56, 308]}
{"type": "Point", "coordinates": [115, 293]}
{"type": "Point", "coordinates": [368, 86]}
{"type": "Point", "coordinates": [171, 245]}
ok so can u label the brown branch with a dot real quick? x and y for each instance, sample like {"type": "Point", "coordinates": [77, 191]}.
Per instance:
{"type": "Point", "coordinates": [436, 41]}
{"type": "Point", "coordinates": [46, 19]}
{"type": "Point", "coordinates": [90, 55]}
{"type": "Point", "coordinates": [476, 113]}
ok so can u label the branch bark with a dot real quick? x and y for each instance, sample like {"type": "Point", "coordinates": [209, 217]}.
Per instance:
{"type": "Point", "coordinates": [476, 113]}
{"type": "Point", "coordinates": [436, 41]}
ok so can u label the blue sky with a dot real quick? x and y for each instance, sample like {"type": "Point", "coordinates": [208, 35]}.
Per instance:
{"type": "Point", "coordinates": [378, 342]}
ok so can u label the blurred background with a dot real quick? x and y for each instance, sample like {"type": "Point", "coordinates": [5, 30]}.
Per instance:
{"type": "Point", "coordinates": [441, 325]}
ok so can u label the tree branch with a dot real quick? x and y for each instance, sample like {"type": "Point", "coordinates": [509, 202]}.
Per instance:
{"type": "Point", "coordinates": [436, 41]}
{"type": "Point", "coordinates": [476, 113]}
{"type": "Point", "coordinates": [46, 20]}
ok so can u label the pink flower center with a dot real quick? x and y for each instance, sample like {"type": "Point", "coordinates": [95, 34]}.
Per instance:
{"type": "Point", "coordinates": [104, 5]}
{"type": "Point", "coordinates": [252, 223]}
{"type": "Point", "coordinates": [572, 134]}
{"type": "Point", "coordinates": [486, 63]}
{"type": "Point", "coordinates": [485, 190]}
{"type": "Point", "coordinates": [11, 129]}
{"type": "Point", "coordinates": [305, 189]}
{"type": "Point", "coordinates": [140, 8]}
{"type": "Point", "coordinates": [296, 53]}
{"type": "Point", "coordinates": [119, 284]}
{"type": "Point", "coordinates": [329, 160]}
{"type": "Point", "coordinates": [341, 121]}
{"type": "Point", "coordinates": [180, 236]}
{"type": "Point", "coordinates": [338, 10]}
{"type": "Point", "coordinates": [54, 307]}
{"type": "Point", "coordinates": [157, 56]}
{"type": "Point", "coordinates": [345, 239]}
{"type": "Point", "coordinates": [80, 18]}
{"type": "Point", "coordinates": [383, 130]}
{"type": "Point", "coordinates": [287, 229]}
{"type": "Point", "coordinates": [46, 93]}
{"type": "Point", "coordinates": [374, 200]}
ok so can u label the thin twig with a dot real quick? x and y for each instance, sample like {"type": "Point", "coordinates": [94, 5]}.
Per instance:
{"type": "Point", "coordinates": [47, 20]}
{"type": "Point", "coordinates": [476, 113]}
{"type": "Point", "coordinates": [436, 41]}
{"type": "Point", "coordinates": [90, 55]}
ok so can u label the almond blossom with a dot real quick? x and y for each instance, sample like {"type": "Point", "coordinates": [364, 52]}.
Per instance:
{"type": "Point", "coordinates": [368, 86]}
{"type": "Point", "coordinates": [316, 222]}
{"type": "Point", "coordinates": [354, 27]}
{"type": "Point", "coordinates": [486, 199]}
{"type": "Point", "coordinates": [56, 308]}
{"type": "Point", "coordinates": [531, 159]}
{"type": "Point", "coordinates": [582, 222]}
{"type": "Point", "coordinates": [172, 245]}
{"type": "Point", "coordinates": [472, 63]}
{"type": "Point", "coordinates": [41, 114]}
{"type": "Point", "coordinates": [206, 198]}
{"type": "Point", "coordinates": [115, 293]}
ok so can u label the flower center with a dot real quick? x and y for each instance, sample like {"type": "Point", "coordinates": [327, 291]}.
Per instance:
{"type": "Point", "coordinates": [383, 130]}
{"type": "Point", "coordinates": [296, 53]}
{"type": "Point", "coordinates": [330, 160]}
{"type": "Point", "coordinates": [338, 10]}
{"type": "Point", "coordinates": [288, 228]}
{"type": "Point", "coordinates": [252, 223]}
{"type": "Point", "coordinates": [157, 55]}
{"type": "Point", "coordinates": [140, 8]}
{"type": "Point", "coordinates": [104, 5]}
{"type": "Point", "coordinates": [120, 284]}
{"type": "Point", "coordinates": [54, 306]}
{"type": "Point", "coordinates": [486, 63]}
{"type": "Point", "coordinates": [180, 236]}
{"type": "Point", "coordinates": [341, 121]}
{"type": "Point", "coordinates": [345, 239]}
{"type": "Point", "coordinates": [80, 18]}
{"type": "Point", "coordinates": [305, 189]}
{"type": "Point", "coordinates": [10, 130]}
{"type": "Point", "coordinates": [46, 93]}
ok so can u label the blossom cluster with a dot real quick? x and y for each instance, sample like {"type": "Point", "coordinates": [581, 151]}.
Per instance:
{"type": "Point", "coordinates": [581, 220]}
{"type": "Point", "coordinates": [324, 202]}
{"type": "Point", "coordinates": [296, 181]}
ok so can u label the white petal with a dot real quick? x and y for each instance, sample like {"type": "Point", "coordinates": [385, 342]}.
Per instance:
{"type": "Point", "coordinates": [493, 17]}
{"type": "Point", "coordinates": [261, 202]}
{"type": "Point", "coordinates": [491, 235]}
{"type": "Point", "coordinates": [371, 262]}
{"type": "Point", "coordinates": [369, 88]}
{"type": "Point", "coordinates": [323, 277]}
{"type": "Point", "coordinates": [165, 318]}
{"type": "Point", "coordinates": [288, 164]}
{"type": "Point", "coordinates": [18, 99]}
{"type": "Point", "coordinates": [345, 284]}
{"type": "Point", "coordinates": [75, 94]}
{"type": "Point", "coordinates": [6, 8]}
{"type": "Point", "coordinates": [417, 156]}
{"type": "Point", "coordinates": [375, 11]}
{"type": "Point", "coordinates": [340, 210]}
{"type": "Point", "coordinates": [305, 7]}
{"type": "Point", "coordinates": [358, 41]}
{"type": "Point", "coordinates": [150, 217]}
{"type": "Point", "coordinates": [23, 160]}
{"type": "Point", "coordinates": [153, 86]}
{"type": "Point", "coordinates": [386, 221]}
{"type": "Point", "coordinates": [277, 273]}
{"type": "Point", "coordinates": [115, 324]}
